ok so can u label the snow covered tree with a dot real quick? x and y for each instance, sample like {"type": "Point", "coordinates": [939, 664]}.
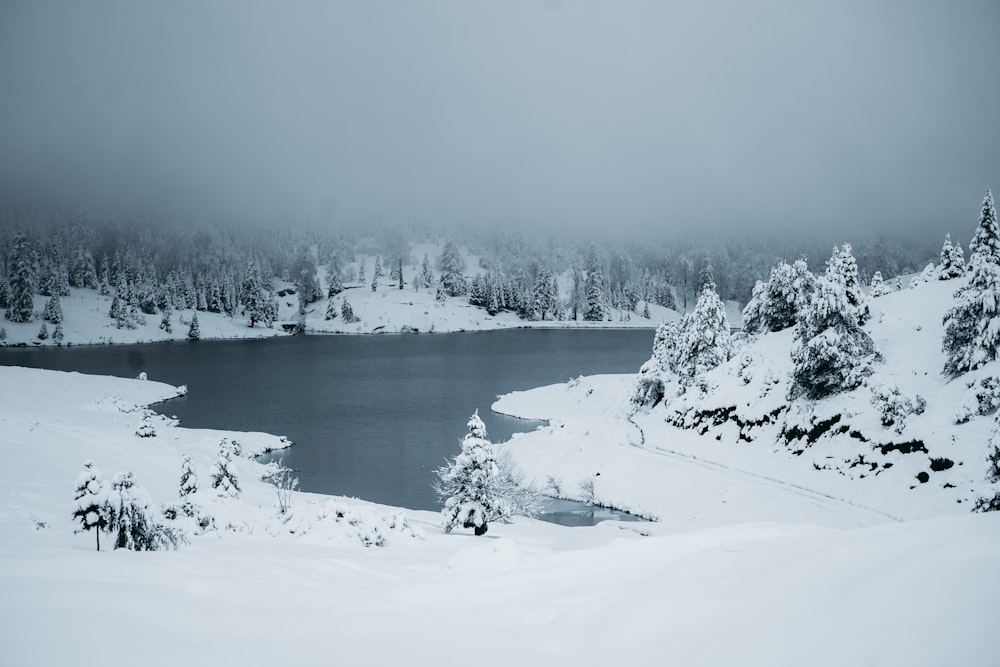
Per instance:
{"type": "Point", "coordinates": [831, 352]}
{"type": "Point", "coordinates": [377, 273]}
{"type": "Point", "coordinates": [53, 310]}
{"type": "Point", "coordinates": [189, 480]}
{"type": "Point", "coordinates": [90, 501]}
{"type": "Point", "coordinates": [952, 264]}
{"type": "Point", "coordinates": [348, 313]}
{"type": "Point", "coordinates": [20, 280]}
{"type": "Point", "coordinates": [778, 303]}
{"type": "Point", "coordinates": [131, 520]}
{"type": "Point", "coordinates": [194, 331]}
{"type": "Point", "coordinates": [426, 274]}
{"type": "Point", "coordinates": [58, 334]}
{"type": "Point", "coordinates": [704, 340]}
{"type": "Point", "coordinates": [336, 286]}
{"type": "Point", "coordinates": [223, 478]}
{"type": "Point", "coordinates": [651, 384]}
{"type": "Point", "coordinates": [452, 280]}
{"type": "Point", "coordinates": [992, 503]}
{"type": "Point", "coordinates": [878, 287]}
{"type": "Point", "coordinates": [165, 319]}
{"type": "Point", "coordinates": [303, 273]}
{"type": "Point", "coordinates": [842, 268]}
{"type": "Point", "coordinates": [258, 305]}
{"type": "Point", "coordinates": [972, 325]}
{"type": "Point", "coordinates": [331, 309]}
{"type": "Point", "coordinates": [361, 273]}
{"type": "Point", "coordinates": [43, 332]}
{"type": "Point", "coordinates": [545, 295]}
{"type": "Point", "coordinates": [469, 484]}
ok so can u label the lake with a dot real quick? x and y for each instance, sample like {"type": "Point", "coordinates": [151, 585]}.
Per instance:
{"type": "Point", "coordinates": [371, 416]}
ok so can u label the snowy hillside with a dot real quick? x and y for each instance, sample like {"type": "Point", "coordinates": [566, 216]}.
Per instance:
{"type": "Point", "coordinates": [759, 575]}
{"type": "Point", "coordinates": [387, 309]}
{"type": "Point", "coordinates": [930, 461]}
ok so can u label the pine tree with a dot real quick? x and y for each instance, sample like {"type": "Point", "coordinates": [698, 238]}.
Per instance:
{"type": "Point", "coordinates": [452, 280]}
{"type": "Point", "coordinates": [470, 485]}
{"type": "Point", "coordinates": [361, 273]}
{"type": "Point", "coordinates": [336, 286]}
{"type": "Point", "coordinates": [90, 501]}
{"type": "Point", "coordinates": [596, 297]}
{"type": "Point", "coordinates": [165, 319]}
{"type": "Point", "coordinates": [843, 269]}
{"type": "Point", "coordinates": [878, 287]}
{"type": "Point", "coordinates": [426, 274]}
{"type": "Point", "coordinates": [952, 264]}
{"type": "Point", "coordinates": [656, 372]}
{"type": "Point", "coordinates": [256, 298]}
{"type": "Point", "coordinates": [831, 352]}
{"type": "Point", "coordinates": [131, 520]}
{"type": "Point", "coordinates": [223, 478]}
{"type": "Point", "coordinates": [58, 334]}
{"type": "Point", "coordinates": [331, 309]}
{"type": "Point", "coordinates": [53, 310]}
{"type": "Point", "coordinates": [972, 325]}
{"type": "Point", "coordinates": [20, 279]}
{"type": "Point", "coordinates": [348, 313]}
{"type": "Point", "coordinates": [189, 480]}
{"type": "Point", "coordinates": [43, 332]}
{"type": "Point", "coordinates": [704, 340]}
{"type": "Point", "coordinates": [194, 331]}
{"type": "Point", "coordinates": [778, 303]}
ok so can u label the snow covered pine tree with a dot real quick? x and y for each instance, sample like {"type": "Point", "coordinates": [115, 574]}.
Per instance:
{"type": "Point", "coordinates": [972, 325]}
{"type": "Point", "coordinates": [90, 498]}
{"type": "Point", "coordinates": [470, 485]}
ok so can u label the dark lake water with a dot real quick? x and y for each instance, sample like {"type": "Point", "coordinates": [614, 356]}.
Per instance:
{"type": "Point", "coordinates": [371, 416]}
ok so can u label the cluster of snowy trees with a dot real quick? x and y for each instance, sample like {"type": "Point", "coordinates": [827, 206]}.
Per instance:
{"type": "Point", "coordinates": [831, 350]}
{"type": "Point", "coordinates": [123, 509]}
{"type": "Point", "coordinates": [152, 268]}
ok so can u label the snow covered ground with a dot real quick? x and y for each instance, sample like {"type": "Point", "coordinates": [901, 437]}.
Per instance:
{"type": "Point", "coordinates": [738, 570]}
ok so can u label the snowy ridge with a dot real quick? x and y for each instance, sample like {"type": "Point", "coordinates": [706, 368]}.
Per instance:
{"type": "Point", "coordinates": [906, 463]}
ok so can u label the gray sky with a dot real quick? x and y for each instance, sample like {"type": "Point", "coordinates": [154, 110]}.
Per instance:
{"type": "Point", "coordinates": [634, 115]}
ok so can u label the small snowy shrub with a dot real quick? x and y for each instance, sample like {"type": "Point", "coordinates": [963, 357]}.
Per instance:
{"type": "Point", "coordinates": [189, 480]}
{"type": "Point", "coordinates": [224, 479]}
{"type": "Point", "coordinates": [893, 407]}
{"type": "Point", "coordinates": [285, 483]}
{"type": "Point", "coordinates": [991, 504]}
{"type": "Point", "coordinates": [145, 430]}
{"type": "Point", "coordinates": [986, 399]}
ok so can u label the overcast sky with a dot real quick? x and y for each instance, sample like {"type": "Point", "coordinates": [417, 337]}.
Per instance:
{"type": "Point", "coordinates": [654, 115]}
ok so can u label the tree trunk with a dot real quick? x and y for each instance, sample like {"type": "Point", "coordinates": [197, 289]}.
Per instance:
{"type": "Point", "coordinates": [98, 531]}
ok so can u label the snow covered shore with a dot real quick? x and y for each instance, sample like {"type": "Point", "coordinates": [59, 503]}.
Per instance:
{"type": "Point", "coordinates": [779, 578]}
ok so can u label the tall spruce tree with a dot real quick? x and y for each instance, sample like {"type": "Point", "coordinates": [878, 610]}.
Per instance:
{"type": "Point", "coordinates": [842, 268]}
{"type": "Point", "coordinates": [972, 325]}
{"type": "Point", "coordinates": [452, 278]}
{"type": "Point", "coordinates": [20, 279]}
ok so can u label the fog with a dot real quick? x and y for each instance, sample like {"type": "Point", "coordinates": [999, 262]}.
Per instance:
{"type": "Point", "coordinates": [640, 117]}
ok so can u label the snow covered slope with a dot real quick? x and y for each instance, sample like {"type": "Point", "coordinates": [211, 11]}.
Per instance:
{"type": "Point", "coordinates": [791, 588]}
{"type": "Point", "coordinates": [929, 461]}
